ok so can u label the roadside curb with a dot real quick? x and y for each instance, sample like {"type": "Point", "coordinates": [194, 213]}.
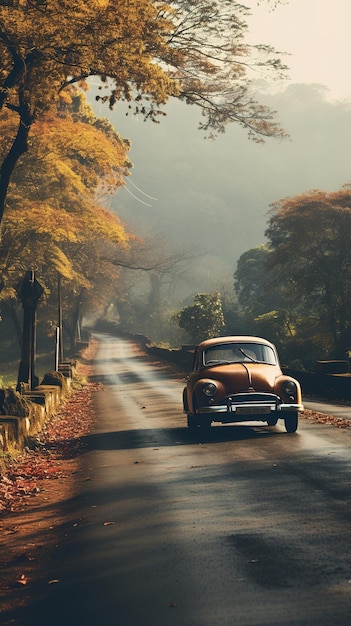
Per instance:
{"type": "Point", "coordinates": [23, 414]}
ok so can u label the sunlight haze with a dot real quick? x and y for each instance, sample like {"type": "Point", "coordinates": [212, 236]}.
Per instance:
{"type": "Point", "coordinates": [215, 196]}
{"type": "Point", "coordinates": [315, 33]}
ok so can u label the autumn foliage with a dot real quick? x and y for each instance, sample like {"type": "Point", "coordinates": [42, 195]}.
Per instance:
{"type": "Point", "coordinates": [297, 286]}
{"type": "Point", "coordinates": [55, 220]}
{"type": "Point", "coordinates": [139, 50]}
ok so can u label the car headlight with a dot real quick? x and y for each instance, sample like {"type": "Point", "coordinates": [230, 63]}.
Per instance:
{"type": "Point", "coordinates": [209, 389]}
{"type": "Point", "coordinates": [290, 387]}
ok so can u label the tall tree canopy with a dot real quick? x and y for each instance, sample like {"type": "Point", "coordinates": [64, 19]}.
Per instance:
{"type": "Point", "coordinates": [60, 228]}
{"type": "Point", "coordinates": [309, 238]}
{"type": "Point", "coordinates": [141, 50]}
{"type": "Point", "coordinates": [253, 283]}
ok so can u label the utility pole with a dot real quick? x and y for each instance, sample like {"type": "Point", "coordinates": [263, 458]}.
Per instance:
{"type": "Point", "coordinates": [30, 291]}
{"type": "Point", "coordinates": [59, 329]}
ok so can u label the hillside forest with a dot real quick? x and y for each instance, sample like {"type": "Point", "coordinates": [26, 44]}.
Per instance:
{"type": "Point", "coordinates": [60, 163]}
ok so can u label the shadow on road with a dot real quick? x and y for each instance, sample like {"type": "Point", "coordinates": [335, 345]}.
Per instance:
{"type": "Point", "coordinates": [160, 437]}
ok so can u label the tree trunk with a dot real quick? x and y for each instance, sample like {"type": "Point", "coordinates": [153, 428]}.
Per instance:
{"type": "Point", "coordinates": [15, 79]}
{"type": "Point", "coordinates": [72, 328]}
{"type": "Point", "coordinates": [19, 147]}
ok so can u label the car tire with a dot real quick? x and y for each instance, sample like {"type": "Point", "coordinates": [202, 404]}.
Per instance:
{"type": "Point", "coordinates": [291, 422]}
{"type": "Point", "coordinates": [192, 422]}
{"type": "Point", "coordinates": [185, 401]}
{"type": "Point", "coordinates": [272, 421]}
{"type": "Point", "coordinates": [205, 425]}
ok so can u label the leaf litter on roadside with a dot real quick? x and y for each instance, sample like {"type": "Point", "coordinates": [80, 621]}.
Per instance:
{"type": "Point", "coordinates": [61, 438]}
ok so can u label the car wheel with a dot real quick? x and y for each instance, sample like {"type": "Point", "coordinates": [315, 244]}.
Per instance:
{"type": "Point", "coordinates": [205, 425]}
{"type": "Point", "coordinates": [291, 422]}
{"type": "Point", "coordinates": [185, 401]}
{"type": "Point", "coordinates": [192, 423]}
{"type": "Point", "coordinates": [272, 421]}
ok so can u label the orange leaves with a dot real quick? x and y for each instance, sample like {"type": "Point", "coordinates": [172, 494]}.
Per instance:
{"type": "Point", "coordinates": [308, 221]}
{"type": "Point", "coordinates": [321, 418]}
{"type": "Point", "coordinates": [46, 48]}
{"type": "Point", "coordinates": [309, 240]}
{"type": "Point", "coordinates": [61, 439]}
{"type": "Point", "coordinates": [107, 226]}
{"type": "Point", "coordinates": [22, 580]}
{"type": "Point", "coordinates": [53, 214]}
{"type": "Point", "coordinates": [140, 48]}
{"type": "Point", "coordinates": [72, 41]}
{"type": "Point", "coordinates": [79, 152]}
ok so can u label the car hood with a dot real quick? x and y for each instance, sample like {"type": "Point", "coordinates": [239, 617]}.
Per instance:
{"type": "Point", "coordinates": [239, 377]}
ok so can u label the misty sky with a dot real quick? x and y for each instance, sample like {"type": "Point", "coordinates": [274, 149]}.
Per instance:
{"type": "Point", "coordinates": [315, 33]}
{"type": "Point", "coordinates": [215, 195]}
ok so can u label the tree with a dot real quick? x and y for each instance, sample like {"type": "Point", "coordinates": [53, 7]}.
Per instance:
{"type": "Point", "coordinates": [204, 318]}
{"type": "Point", "coordinates": [214, 62]}
{"type": "Point", "coordinates": [254, 283]}
{"type": "Point", "coordinates": [309, 240]}
{"type": "Point", "coordinates": [266, 306]}
{"type": "Point", "coordinates": [62, 229]}
{"type": "Point", "coordinates": [154, 268]}
{"type": "Point", "coordinates": [74, 157]}
{"type": "Point", "coordinates": [141, 50]}
{"type": "Point", "coordinates": [97, 286]}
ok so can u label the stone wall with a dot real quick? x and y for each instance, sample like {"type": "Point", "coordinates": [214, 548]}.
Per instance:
{"type": "Point", "coordinates": [23, 413]}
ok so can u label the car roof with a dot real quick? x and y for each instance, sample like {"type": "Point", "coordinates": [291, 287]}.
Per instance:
{"type": "Point", "coordinates": [233, 339]}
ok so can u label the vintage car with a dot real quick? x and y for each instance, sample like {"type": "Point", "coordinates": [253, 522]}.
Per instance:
{"type": "Point", "coordinates": [239, 379]}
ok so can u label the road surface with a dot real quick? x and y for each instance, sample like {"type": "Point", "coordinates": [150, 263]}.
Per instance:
{"type": "Point", "coordinates": [248, 527]}
{"type": "Point", "coordinates": [332, 408]}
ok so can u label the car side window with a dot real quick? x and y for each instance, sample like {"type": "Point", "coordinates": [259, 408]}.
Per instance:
{"type": "Point", "coordinates": [266, 355]}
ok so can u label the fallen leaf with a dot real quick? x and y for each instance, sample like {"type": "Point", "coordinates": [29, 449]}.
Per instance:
{"type": "Point", "coordinates": [23, 580]}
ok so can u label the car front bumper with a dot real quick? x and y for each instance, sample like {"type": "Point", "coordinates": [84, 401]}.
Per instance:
{"type": "Point", "coordinates": [250, 409]}
{"type": "Point", "coordinates": [247, 404]}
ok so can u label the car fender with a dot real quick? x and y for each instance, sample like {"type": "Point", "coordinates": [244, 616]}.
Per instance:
{"type": "Point", "coordinates": [280, 380]}
{"type": "Point", "coordinates": [198, 393]}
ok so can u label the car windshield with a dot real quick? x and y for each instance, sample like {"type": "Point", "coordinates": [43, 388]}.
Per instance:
{"type": "Point", "coordinates": [239, 353]}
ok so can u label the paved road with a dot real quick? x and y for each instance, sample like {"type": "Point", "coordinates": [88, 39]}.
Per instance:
{"type": "Point", "coordinates": [331, 408]}
{"type": "Point", "coordinates": [249, 527]}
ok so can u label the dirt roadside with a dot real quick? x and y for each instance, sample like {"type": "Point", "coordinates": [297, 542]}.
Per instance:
{"type": "Point", "coordinates": [33, 518]}
{"type": "Point", "coordinates": [33, 490]}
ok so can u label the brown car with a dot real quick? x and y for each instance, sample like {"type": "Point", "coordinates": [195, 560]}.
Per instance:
{"type": "Point", "coordinates": [239, 379]}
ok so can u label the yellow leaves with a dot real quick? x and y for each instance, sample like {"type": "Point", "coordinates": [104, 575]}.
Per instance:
{"type": "Point", "coordinates": [103, 224]}
{"type": "Point", "coordinates": [64, 41]}
{"type": "Point", "coordinates": [83, 156]}
{"type": "Point", "coordinates": [28, 242]}
{"type": "Point", "coordinates": [100, 4]}
{"type": "Point", "coordinates": [141, 50]}
{"type": "Point", "coordinates": [8, 293]}
{"type": "Point", "coordinates": [45, 220]}
{"type": "Point", "coordinates": [65, 97]}
{"type": "Point", "coordinates": [8, 130]}
{"type": "Point", "coordinates": [57, 260]}
{"type": "Point", "coordinates": [53, 218]}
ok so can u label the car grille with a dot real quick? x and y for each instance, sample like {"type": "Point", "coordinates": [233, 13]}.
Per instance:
{"type": "Point", "coordinates": [252, 398]}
